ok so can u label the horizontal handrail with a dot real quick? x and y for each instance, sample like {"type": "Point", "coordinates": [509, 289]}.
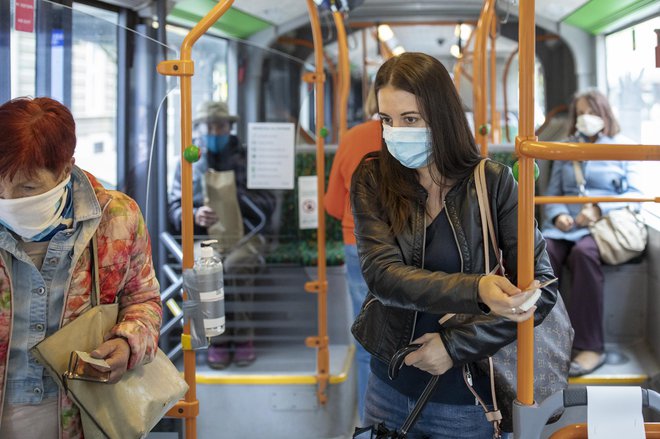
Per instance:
{"type": "Point", "coordinates": [587, 151]}
{"type": "Point", "coordinates": [577, 199]}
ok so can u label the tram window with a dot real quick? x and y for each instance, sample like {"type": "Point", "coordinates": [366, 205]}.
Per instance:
{"type": "Point", "coordinates": [94, 90]}
{"type": "Point", "coordinates": [633, 84]}
{"type": "Point", "coordinates": [23, 60]}
{"type": "Point", "coordinates": [209, 84]}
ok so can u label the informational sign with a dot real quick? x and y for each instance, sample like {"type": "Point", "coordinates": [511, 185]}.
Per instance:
{"type": "Point", "coordinates": [57, 64]}
{"type": "Point", "coordinates": [24, 15]}
{"type": "Point", "coordinates": [308, 202]}
{"type": "Point", "coordinates": [271, 154]}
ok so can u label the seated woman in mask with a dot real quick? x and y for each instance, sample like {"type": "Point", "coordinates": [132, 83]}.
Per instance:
{"type": "Point", "coordinates": [49, 212]}
{"type": "Point", "coordinates": [566, 229]}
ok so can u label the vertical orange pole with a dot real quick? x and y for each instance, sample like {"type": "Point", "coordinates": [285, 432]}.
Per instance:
{"type": "Point", "coordinates": [479, 76]}
{"type": "Point", "coordinates": [321, 286]}
{"type": "Point", "coordinates": [184, 68]}
{"type": "Point", "coordinates": [527, 35]}
{"type": "Point", "coordinates": [344, 71]}
{"type": "Point", "coordinates": [365, 80]}
{"type": "Point", "coordinates": [494, 119]}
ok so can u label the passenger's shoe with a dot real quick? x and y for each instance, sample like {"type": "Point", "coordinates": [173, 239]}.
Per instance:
{"type": "Point", "coordinates": [244, 354]}
{"type": "Point", "coordinates": [218, 356]}
{"type": "Point", "coordinates": [590, 361]}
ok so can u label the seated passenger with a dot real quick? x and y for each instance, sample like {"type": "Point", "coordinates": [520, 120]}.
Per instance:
{"type": "Point", "coordinates": [566, 227]}
{"type": "Point", "coordinates": [49, 211]}
{"type": "Point", "coordinates": [224, 157]}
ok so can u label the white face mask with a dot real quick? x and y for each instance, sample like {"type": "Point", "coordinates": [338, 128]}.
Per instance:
{"type": "Point", "coordinates": [589, 124]}
{"type": "Point", "coordinates": [29, 216]}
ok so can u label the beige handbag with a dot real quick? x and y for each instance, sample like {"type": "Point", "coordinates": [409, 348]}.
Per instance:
{"type": "Point", "coordinates": [128, 409]}
{"type": "Point", "coordinates": [620, 235]}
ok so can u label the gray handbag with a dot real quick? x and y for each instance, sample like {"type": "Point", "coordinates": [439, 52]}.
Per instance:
{"type": "Point", "coordinates": [128, 409]}
{"type": "Point", "coordinates": [553, 338]}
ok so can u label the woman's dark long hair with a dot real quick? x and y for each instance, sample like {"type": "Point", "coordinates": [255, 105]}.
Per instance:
{"type": "Point", "coordinates": [600, 106]}
{"type": "Point", "coordinates": [454, 151]}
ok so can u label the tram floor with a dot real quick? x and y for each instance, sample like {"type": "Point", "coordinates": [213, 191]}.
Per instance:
{"type": "Point", "coordinates": [630, 363]}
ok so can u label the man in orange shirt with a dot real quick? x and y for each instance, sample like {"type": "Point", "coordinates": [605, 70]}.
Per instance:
{"type": "Point", "coordinates": [355, 144]}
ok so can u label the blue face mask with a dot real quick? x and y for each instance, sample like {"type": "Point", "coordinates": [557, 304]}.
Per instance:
{"type": "Point", "coordinates": [410, 146]}
{"type": "Point", "coordinates": [216, 143]}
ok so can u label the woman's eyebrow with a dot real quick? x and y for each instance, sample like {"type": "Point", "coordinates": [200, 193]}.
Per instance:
{"type": "Point", "coordinates": [406, 113]}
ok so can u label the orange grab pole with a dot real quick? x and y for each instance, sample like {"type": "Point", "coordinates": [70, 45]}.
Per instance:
{"type": "Point", "coordinates": [479, 73]}
{"type": "Point", "coordinates": [587, 151]}
{"type": "Point", "coordinates": [526, 38]}
{"type": "Point", "coordinates": [188, 408]}
{"type": "Point", "coordinates": [494, 119]}
{"type": "Point", "coordinates": [320, 342]}
{"type": "Point", "coordinates": [567, 199]}
{"type": "Point", "coordinates": [344, 71]}
{"type": "Point", "coordinates": [579, 431]}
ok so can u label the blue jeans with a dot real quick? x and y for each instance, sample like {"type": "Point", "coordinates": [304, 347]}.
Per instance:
{"type": "Point", "coordinates": [358, 289]}
{"type": "Point", "coordinates": [437, 421]}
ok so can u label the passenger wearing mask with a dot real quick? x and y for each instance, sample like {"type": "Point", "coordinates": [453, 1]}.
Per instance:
{"type": "Point", "coordinates": [223, 152]}
{"type": "Point", "coordinates": [422, 254]}
{"type": "Point", "coordinates": [567, 225]}
{"type": "Point", "coordinates": [49, 212]}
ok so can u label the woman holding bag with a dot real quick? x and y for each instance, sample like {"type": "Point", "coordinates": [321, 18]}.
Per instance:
{"type": "Point", "coordinates": [49, 211]}
{"type": "Point", "coordinates": [419, 239]}
{"type": "Point", "coordinates": [567, 225]}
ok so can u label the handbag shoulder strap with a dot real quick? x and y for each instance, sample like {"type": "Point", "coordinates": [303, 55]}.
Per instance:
{"type": "Point", "coordinates": [487, 227]}
{"type": "Point", "coordinates": [579, 177]}
{"type": "Point", "coordinates": [95, 297]}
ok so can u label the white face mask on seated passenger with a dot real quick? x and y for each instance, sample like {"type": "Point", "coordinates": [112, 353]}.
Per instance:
{"type": "Point", "coordinates": [410, 146]}
{"type": "Point", "coordinates": [589, 124]}
{"type": "Point", "coordinates": [30, 216]}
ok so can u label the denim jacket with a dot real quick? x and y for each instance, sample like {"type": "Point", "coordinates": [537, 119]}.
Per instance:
{"type": "Point", "coordinates": [602, 178]}
{"type": "Point", "coordinates": [125, 271]}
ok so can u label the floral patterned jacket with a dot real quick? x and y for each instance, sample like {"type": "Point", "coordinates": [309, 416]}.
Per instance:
{"type": "Point", "coordinates": [125, 270]}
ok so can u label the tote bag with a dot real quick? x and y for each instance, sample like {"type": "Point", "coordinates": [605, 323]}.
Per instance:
{"type": "Point", "coordinates": [128, 409]}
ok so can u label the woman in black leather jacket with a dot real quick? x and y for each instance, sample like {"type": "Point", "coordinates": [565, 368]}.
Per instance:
{"type": "Point", "coordinates": [419, 239]}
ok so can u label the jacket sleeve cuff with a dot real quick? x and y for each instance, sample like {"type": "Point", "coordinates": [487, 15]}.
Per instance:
{"type": "Point", "coordinates": [140, 341]}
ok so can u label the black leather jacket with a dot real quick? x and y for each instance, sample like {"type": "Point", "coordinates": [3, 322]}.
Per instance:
{"type": "Point", "coordinates": [399, 287]}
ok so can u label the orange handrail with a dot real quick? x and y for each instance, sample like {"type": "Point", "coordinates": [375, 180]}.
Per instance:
{"type": "Point", "coordinates": [320, 286]}
{"type": "Point", "coordinates": [479, 72]}
{"type": "Point", "coordinates": [344, 71]}
{"type": "Point", "coordinates": [188, 408]}
{"type": "Point", "coordinates": [579, 431]}
{"type": "Point", "coordinates": [585, 151]}
{"type": "Point", "coordinates": [494, 118]}
{"type": "Point", "coordinates": [526, 37]}
{"type": "Point", "coordinates": [459, 68]}
{"type": "Point", "coordinates": [568, 199]}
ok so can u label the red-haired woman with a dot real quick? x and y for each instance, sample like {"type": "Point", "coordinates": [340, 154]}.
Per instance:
{"type": "Point", "coordinates": [49, 211]}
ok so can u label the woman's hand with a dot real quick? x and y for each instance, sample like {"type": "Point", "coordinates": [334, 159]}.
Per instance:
{"type": "Point", "coordinates": [205, 216]}
{"type": "Point", "coordinates": [564, 222]}
{"type": "Point", "coordinates": [589, 214]}
{"type": "Point", "coordinates": [116, 352]}
{"type": "Point", "coordinates": [432, 357]}
{"type": "Point", "coordinates": [503, 298]}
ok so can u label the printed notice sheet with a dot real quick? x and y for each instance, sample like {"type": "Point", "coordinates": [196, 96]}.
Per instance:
{"type": "Point", "coordinates": [308, 207]}
{"type": "Point", "coordinates": [271, 155]}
